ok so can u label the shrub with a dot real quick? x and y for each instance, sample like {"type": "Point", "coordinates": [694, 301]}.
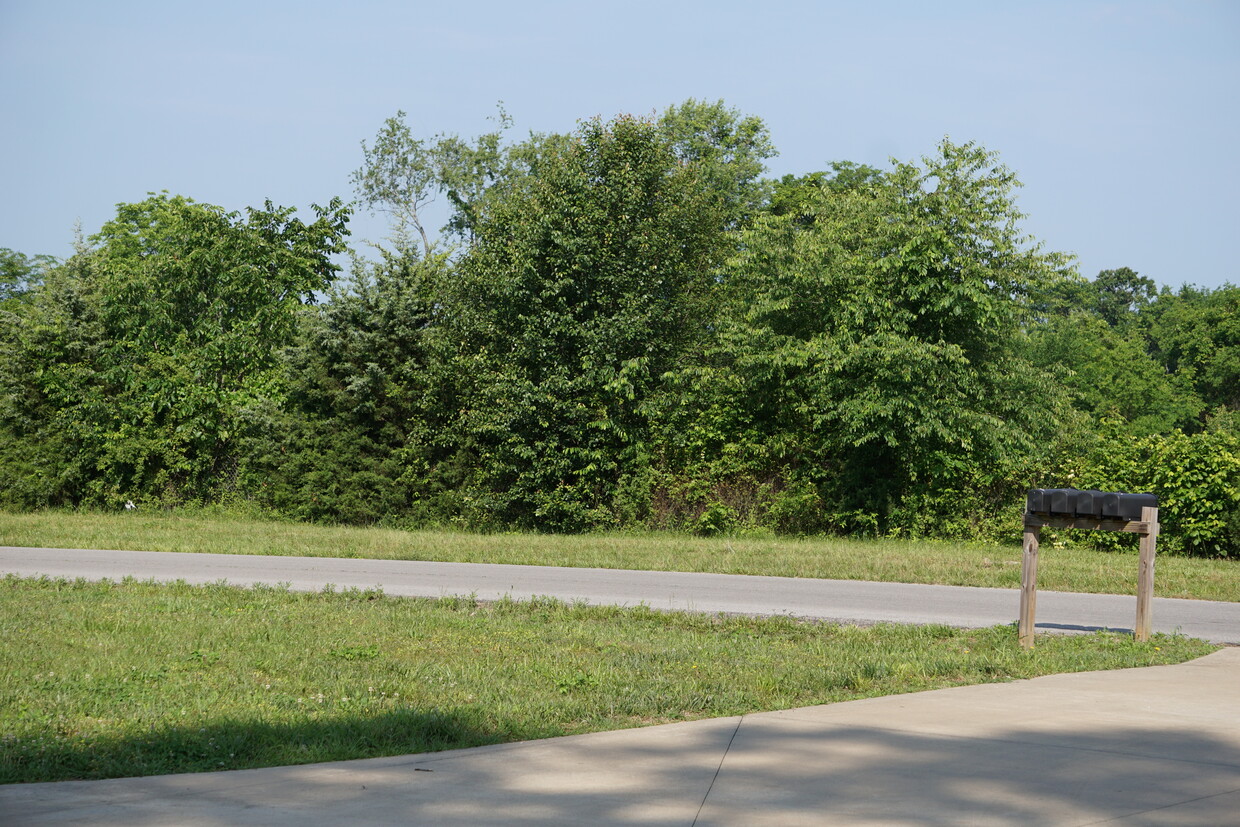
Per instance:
{"type": "Point", "coordinates": [1196, 478]}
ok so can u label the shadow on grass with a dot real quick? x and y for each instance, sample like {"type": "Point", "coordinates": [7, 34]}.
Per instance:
{"type": "Point", "coordinates": [238, 744]}
{"type": "Point", "coordinates": [1073, 627]}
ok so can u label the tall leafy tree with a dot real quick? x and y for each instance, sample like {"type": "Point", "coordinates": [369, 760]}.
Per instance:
{"type": "Point", "coordinates": [51, 343]}
{"type": "Point", "coordinates": [875, 343]}
{"type": "Point", "coordinates": [1121, 295]}
{"type": "Point", "coordinates": [19, 273]}
{"type": "Point", "coordinates": [402, 175]}
{"type": "Point", "coordinates": [399, 176]}
{"type": "Point", "coordinates": [727, 148]}
{"type": "Point", "coordinates": [588, 279]}
{"type": "Point", "coordinates": [1110, 373]}
{"type": "Point", "coordinates": [361, 377]}
{"type": "Point", "coordinates": [796, 195]}
{"type": "Point", "coordinates": [149, 348]}
{"type": "Point", "coordinates": [1196, 333]}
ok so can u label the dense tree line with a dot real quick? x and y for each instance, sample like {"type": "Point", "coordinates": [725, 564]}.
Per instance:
{"type": "Point", "coordinates": [627, 325]}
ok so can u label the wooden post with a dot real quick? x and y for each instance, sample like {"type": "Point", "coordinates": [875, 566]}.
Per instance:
{"type": "Point", "coordinates": [1028, 586]}
{"type": "Point", "coordinates": [1145, 575]}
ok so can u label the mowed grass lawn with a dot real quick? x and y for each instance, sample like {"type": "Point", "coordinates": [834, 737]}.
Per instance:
{"type": "Point", "coordinates": [102, 680]}
{"type": "Point", "coordinates": [1061, 568]}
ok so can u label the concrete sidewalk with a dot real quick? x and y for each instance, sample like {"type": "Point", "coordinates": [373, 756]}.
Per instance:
{"type": "Point", "coordinates": [1152, 746]}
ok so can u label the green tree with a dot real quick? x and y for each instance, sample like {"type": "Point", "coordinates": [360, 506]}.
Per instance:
{"type": "Point", "coordinates": [402, 175]}
{"type": "Point", "coordinates": [360, 378]}
{"type": "Point", "coordinates": [19, 273]}
{"type": "Point", "coordinates": [1196, 477]}
{"type": "Point", "coordinates": [1110, 373]}
{"type": "Point", "coordinates": [399, 176]}
{"type": "Point", "coordinates": [726, 148]}
{"type": "Point", "coordinates": [875, 348]}
{"type": "Point", "coordinates": [1118, 297]}
{"type": "Point", "coordinates": [51, 343]}
{"type": "Point", "coordinates": [589, 277]}
{"type": "Point", "coordinates": [1121, 295]}
{"type": "Point", "coordinates": [1196, 333]}
{"type": "Point", "coordinates": [148, 349]}
{"type": "Point", "coordinates": [797, 194]}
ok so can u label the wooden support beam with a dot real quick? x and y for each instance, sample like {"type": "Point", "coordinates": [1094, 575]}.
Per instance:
{"type": "Point", "coordinates": [1088, 523]}
{"type": "Point", "coordinates": [1028, 586]}
{"type": "Point", "coordinates": [1145, 575]}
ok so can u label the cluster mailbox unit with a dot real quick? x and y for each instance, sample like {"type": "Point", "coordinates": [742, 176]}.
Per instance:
{"type": "Point", "coordinates": [1050, 503]}
{"type": "Point", "coordinates": [1100, 510]}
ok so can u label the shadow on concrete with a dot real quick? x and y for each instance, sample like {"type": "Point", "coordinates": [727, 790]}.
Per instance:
{"type": "Point", "coordinates": [778, 770]}
{"type": "Point", "coordinates": [1013, 776]}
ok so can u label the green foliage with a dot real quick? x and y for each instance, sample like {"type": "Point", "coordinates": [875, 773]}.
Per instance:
{"type": "Point", "coordinates": [1117, 297]}
{"type": "Point", "coordinates": [1196, 333]}
{"type": "Point", "coordinates": [401, 175]}
{"type": "Point", "coordinates": [796, 195]}
{"type": "Point", "coordinates": [1110, 373]}
{"type": "Point", "coordinates": [638, 330]}
{"type": "Point", "coordinates": [1121, 296]}
{"type": "Point", "coordinates": [19, 273]}
{"type": "Point", "coordinates": [398, 176]}
{"type": "Point", "coordinates": [588, 279]}
{"type": "Point", "coordinates": [1196, 478]}
{"type": "Point", "coordinates": [50, 343]}
{"type": "Point", "coordinates": [872, 351]}
{"type": "Point", "coordinates": [726, 148]}
{"type": "Point", "coordinates": [358, 380]}
{"type": "Point", "coordinates": [136, 362]}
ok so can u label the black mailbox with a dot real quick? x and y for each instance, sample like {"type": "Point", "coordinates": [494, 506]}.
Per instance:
{"type": "Point", "coordinates": [1038, 501]}
{"type": "Point", "coordinates": [1097, 505]}
{"type": "Point", "coordinates": [1059, 501]}
{"type": "Point", "coordinates": [1089, 504]}
{"type": "Point", "coordinates": [1126, 506]}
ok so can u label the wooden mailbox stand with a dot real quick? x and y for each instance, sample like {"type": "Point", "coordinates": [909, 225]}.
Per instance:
{"type": "Point", "coordinates": [1147, 527]}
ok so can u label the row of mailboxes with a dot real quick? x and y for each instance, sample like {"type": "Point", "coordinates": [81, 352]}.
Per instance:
{"type": "Point", "coordinates": [1099, 505]}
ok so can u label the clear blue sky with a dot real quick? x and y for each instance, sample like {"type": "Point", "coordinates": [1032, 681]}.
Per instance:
{"type": "Point", "coordinates": [1121, 118]}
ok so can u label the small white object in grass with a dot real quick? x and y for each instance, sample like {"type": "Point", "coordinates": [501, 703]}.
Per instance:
{"type": "Point", "coordinates": [129, 506]}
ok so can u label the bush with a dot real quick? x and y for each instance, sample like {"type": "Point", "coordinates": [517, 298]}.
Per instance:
{"type": "Point", "coordinates": [1196, 478]}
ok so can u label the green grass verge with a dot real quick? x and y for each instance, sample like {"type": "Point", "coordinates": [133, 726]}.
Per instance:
{"type": "Point", "coordinates": [904, 561]}
{"type": "Point", "coordinates": [101, 680]}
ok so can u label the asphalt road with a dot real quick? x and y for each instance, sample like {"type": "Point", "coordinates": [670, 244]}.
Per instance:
{"type": "Point", "coordinates": [836, 600]}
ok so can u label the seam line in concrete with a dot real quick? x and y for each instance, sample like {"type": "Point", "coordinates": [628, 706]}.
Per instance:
{"type": "Point", "coordinates": [1164, 807]}
{"type": "Point", "coordinates": [718, 769]}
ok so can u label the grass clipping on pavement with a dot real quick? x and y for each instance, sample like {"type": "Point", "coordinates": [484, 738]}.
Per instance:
{"type": "Point", "coordinates": [102, 680]}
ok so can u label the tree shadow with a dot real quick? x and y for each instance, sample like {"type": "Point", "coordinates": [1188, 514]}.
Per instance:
{"type": "Point", "coordinates": [772, 769]}
{"type": "Point", "coordinates": [240, 744]}
{"type": "Point", "coordinates": [1073, 627]}
{"type": "Point", "coordinates": [1010, 776]}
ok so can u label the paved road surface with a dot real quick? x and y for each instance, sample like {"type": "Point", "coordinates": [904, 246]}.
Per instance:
{"type": "Point", "coordinates": [838, 600]}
